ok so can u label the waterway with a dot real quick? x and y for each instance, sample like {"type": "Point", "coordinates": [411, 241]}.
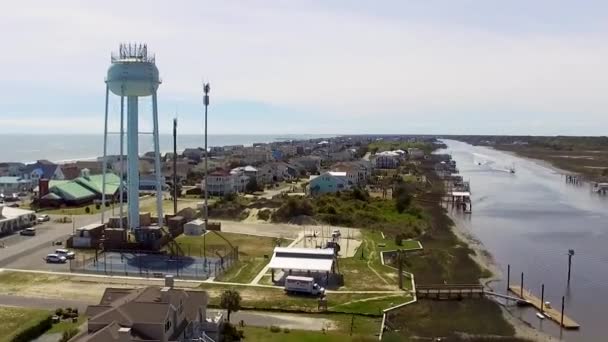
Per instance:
{"type": "Point", "coordinates": [529, 220]}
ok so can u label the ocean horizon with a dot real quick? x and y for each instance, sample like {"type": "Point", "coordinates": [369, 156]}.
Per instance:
{"type": "Point", "coordinates": [62, 148]}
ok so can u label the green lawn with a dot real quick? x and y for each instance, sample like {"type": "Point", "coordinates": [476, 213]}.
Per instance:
{"type": "Point", "coordinates": [369, 273]}
{"type": "Point", "coordinates": [261, 298]}
{"type": "Point", "coordinates": [249, 245]}
{"type": "Point", "coordinates": [150, 206]}
{"type": "Point", "coordinates": [244, 270]}
{"type": "Point", "coordinates": [16, 320]}
{"type": "Point", "coordinates": [74, 210]}
{"type": "Point", "coordinates": [431, 318]}
{"type": "Point", "coordinates": [254, 334]}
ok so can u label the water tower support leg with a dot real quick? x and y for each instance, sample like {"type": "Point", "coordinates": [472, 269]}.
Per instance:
{"type": "Point", "coordinates": [121, 158]}
{"type": "Point", "coordinates": [133, 161]}
{"type": "Point", "coordinates": [105, 157]}
{"type": "Point", "coordinates": [157, 171]}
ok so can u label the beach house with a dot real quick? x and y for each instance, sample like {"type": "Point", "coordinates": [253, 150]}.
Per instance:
{"type": "Point", "coordinates": [151, 314]}
{"type": "Point", "coordinates": [328, 182]}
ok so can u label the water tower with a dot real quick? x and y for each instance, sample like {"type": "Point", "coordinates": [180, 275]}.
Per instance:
{"type": "Point", "coordinates": [133, 74]}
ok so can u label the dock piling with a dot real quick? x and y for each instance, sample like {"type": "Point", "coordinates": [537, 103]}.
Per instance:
{"type": "Point", "coordinates": [561, 322]}
{"type": "Point", "coordinates": [542, 298]}
{"type": "Point", "coordinates": [521, 294]}
{"type": "Point", "coordinates": [508, 276]}
{"type": "Point", "coordinates": [570, 254]}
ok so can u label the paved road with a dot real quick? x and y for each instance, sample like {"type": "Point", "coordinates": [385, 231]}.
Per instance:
{"type": "Point", "coordinates": [41, 303]}
{"type": "Point", "coordinates": [253, 318]}
{"type": "Point", "coordinates": [266, 319]}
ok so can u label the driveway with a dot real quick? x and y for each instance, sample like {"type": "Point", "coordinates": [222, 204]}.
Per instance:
{"type": "Point", "coordinates": [266, 319]}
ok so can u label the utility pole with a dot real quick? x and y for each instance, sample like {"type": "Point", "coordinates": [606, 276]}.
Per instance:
{"type": "Point", "coordinates": [206, 89]}
{"type": "Point", "coordinates": [570, 255]}
{"type": "Point", "coordinates": [400, 267]}
{"type": "Point", "coordinates": [175, 166]}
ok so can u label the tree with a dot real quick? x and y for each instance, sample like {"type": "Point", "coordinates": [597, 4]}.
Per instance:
{"type": "Point", "coordinates": [252, 185]}
{"type": "Point", "coordinates": [402, 196]}
{"type": "Point", "coordinates": [230, 301]}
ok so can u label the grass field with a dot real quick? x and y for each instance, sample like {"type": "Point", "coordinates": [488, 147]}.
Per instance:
{"type": "Point", "coordinates": [254, 334]}
{"type": "Point", "coordinates": [244, 270]}
{"type": "Point", "coordinates": [368, 273]}
{"type": "Point", "coordinates": [430, 318]}
{"type": "Point", "coordinates": [262, 298]}
{"type": "Point", "coordinates": [150, 206]}
{"type": "Point", "coordinates": [16, 320]}
{"type": "Point", "coordinates": [249, 245]}
{"type": "Point", "coordinates": [74, 211]}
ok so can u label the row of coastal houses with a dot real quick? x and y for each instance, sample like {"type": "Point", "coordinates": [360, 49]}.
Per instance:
{"type": "Point", "coordinates": [223, 182]}
{"type": "Point", "coordinates": [392, 159]}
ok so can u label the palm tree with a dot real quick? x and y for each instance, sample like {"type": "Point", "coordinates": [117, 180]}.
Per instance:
{"type": "Point", "coordinates": [230, 301]}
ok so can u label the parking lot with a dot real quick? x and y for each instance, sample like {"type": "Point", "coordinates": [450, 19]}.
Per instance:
{"type": "Point", "coordinates": [28, 252]}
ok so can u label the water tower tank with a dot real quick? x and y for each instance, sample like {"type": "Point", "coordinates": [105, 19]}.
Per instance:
{"type": "Point", "coordinates": [133, 72]}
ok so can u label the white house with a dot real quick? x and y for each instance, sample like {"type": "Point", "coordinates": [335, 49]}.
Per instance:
{"type": "Point", "coordinates": [274, 172]}
{"type": "Point", "coordinates": [357, 172]}
{"type": "Point", "coordinates": [415, 153]}
{"type": "Point", "coordinates": [387, 160]}
{"type": "Point", "coordinates": [220, 183]}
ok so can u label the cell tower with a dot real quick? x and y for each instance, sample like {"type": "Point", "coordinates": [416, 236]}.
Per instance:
{"type": "Point", "coordinates": [133, 74]}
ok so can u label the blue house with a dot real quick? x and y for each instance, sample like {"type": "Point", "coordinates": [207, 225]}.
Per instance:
{"type": "Point", "coordinates": [328, 182]}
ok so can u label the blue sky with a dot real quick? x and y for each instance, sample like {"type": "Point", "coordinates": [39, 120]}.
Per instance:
{"type": "Point", "coordinates": [343, 66]}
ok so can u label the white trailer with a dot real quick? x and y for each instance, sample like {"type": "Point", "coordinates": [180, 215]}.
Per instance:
{"type": "Point", "coordinates": [295, 284]}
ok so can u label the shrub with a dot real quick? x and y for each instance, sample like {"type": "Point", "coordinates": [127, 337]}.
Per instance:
{"type": "Point", "coordinates": [59, 312]}
{"type": "Point", "coordinates": [68, 334]}
{"type": "Point", "coordinates": [87, 210]}
{"type": "Point", "coordinates": [231, 333]}
{"type": "Point", "coordinates": [264, 214]}
{"type": "Point", "coordinates": [286, 330]}
{"type": "Point", "coordinates": [399, 240]}
{"type": "Point", "coordinates": [292, 208]}
{"type": "Point", "coordinates": [275, 329]}
{"type": "Point", "coordinates": [97, 206]}
{"type": "Point", "coordinates": [34, 331]}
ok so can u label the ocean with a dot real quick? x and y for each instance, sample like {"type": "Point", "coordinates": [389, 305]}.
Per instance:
{"type": "Point", "coordinates": [63, 148]}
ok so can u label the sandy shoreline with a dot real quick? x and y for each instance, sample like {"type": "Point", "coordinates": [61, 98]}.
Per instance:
{"type": "Point", "coordinates": [484, 259]}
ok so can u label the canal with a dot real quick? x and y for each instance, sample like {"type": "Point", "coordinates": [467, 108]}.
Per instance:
{"type": "Point", "coordinates": [530, 219]}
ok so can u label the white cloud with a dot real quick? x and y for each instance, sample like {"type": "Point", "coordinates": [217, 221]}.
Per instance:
{"type": "Point", "coordinates": [344, 63]}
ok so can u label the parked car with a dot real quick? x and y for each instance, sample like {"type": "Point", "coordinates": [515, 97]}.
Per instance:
{"type": "Point", "coordinates": [28, 232]}
{"type": "Point", "coordinates": [43, 218]}
{"type": "Point", "coordinates": [65, 253]}
{"type": "Point", "coordinates": [55, 259]}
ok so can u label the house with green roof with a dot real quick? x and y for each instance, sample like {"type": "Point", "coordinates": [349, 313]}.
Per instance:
{"type": "Point", "coordinates": [72, 193]}
{"type": "Point", "coordinates": [82, 190]}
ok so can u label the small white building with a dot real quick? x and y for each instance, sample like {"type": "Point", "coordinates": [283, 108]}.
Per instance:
{"type": "Point", "coordinates": [194, 228]}
{"type": "Point", "coordinates": [13, 219]}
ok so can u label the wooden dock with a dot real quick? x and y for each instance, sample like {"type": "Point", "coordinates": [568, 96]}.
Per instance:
{"type": "Point", "coordinates": [449, 291]}
{"type": "Point", "coordinates": [551, 313]}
